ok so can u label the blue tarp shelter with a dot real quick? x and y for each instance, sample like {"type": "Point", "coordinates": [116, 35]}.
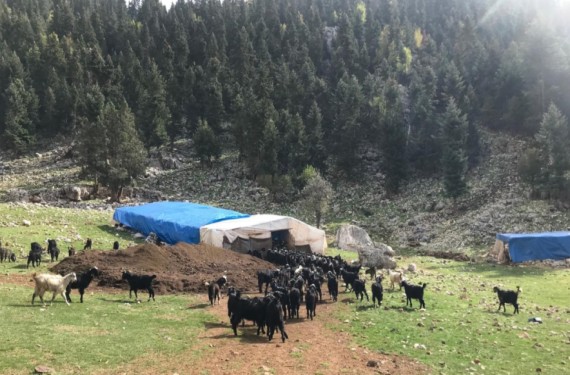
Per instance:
{"type": "Point", "coordinates": [173, 221]}
{"type": "Point", "coordinates": [536, 246]}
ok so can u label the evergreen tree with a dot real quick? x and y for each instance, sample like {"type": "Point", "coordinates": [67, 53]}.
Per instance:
{"type": "Point", "coordinates": [269, 147]}
{"type": "Point", "coordinates": [454, 159]}
{"type": "Point", "coordinates": [154, 116]}
{"type": "Point", "coordinates": [118, 156]}
{"type": "Point", "coordinates": [314, 128]}
{"type": "Point", "coordinates": [20, 112]}
{"type": "Point", "coordinates": [553, 139]}
{"type": "Point", "coordinates": [206, 144]}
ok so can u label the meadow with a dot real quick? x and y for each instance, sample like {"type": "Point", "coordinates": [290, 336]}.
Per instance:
{"type": "Point", "coordinates": [460, 331]}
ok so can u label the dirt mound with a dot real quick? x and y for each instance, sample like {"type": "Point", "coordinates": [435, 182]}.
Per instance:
{"type": "Point", "coordinates": [178, 268]}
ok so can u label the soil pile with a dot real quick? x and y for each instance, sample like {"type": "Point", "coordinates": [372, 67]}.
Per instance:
{"type": "Point", "coordinates": [178, 268]}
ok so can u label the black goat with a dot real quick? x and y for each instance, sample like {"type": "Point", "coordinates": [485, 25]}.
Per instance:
{"type": "Point", "coordinates": [348, 278]}
{"type": "Point", "coordinates": [359, 287]}
{"type": "Point", "coordinates": [137, 282]}
{"type": "Point", "coordinates": [248, 309]}
{"type": "Point", "coordinates": [311, 302]}
{"type": "Point", "coordinates": [414, 292]}
{"type": "Point", "coordinates": [71, 251]}
{"type": "Point", "coordinates": [7, 255]}
{"type": "Point", "coordinates": [508, 296]}
{"type": "Point", "coordinates": [88, 244]}
{"type": "Point", "coordinates": [53, 250]}
{"type": "Point", "coordinates": [332, 285]}
{"type": "Point", "coordinates": [265, 277]}
{"type": "Point", "coordinates": [274, 316]}
{"type": "Point", "coordinates": [35, 255]}
{"type": "Point", "coordinates": [213, 292]}
{"type": "Point", "coordinates": [116, 245]}
{"type": "Point", "coordinates": [294, 302]}
{"type": "Point", "coordinates": [233, 298]}
{"type": "Point", "coordinates": [82, 282]}
{"type": "Point", "coordinates": [222, 281]}
{"type": "Point", "coordinates": [377, 291]}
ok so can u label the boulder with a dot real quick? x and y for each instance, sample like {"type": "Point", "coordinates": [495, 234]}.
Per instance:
{"type": "Point", "coordinates": [351, 237]}
{"type": "Point", "coordinates": [377, 257]}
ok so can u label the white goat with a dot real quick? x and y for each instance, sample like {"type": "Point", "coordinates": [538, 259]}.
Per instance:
{"type": "Point", "coordinates": [52, 283]}
{"type": "Point", "coordinates": [396, 278]}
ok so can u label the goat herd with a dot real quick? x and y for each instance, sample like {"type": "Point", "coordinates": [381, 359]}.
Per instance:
{"type": "Point", "coordinates": [299, 280]}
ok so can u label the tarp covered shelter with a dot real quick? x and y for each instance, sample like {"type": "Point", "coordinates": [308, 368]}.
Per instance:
{"type": "Point", "coordinates": [259, 231]}
{"type": "Point", "coordinates": [173, 221]}
{"type": "Point", "coordinates": [522, 247]}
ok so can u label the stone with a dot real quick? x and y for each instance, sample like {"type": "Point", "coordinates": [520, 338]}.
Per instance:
{"type": "Point", "coordinates": [351, 237]}
{"type": "Point", "coordinates": [372, 363]}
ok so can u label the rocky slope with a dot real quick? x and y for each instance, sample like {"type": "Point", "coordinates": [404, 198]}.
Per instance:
{"type": "Point", "coordinates": [419, 217]}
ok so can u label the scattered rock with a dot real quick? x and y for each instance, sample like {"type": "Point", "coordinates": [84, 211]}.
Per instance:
{"type": "Point", "coordinates": [26, 223]}
{"type": "Point", "coordinates": [41, 369]}
{"type": "Point", "coordinates": [372, 363]}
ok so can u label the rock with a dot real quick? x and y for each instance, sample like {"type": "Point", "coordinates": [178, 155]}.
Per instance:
{"type": "Point", "coordinates": [351, 237]}
{"type": "Point", "coordinates": [26, 223]}
{"type": "Point", "coordinates": [439, 206]}
{"type": "Point", "coordinates": [412, 267]}
{"type": "Point", "coordinates": [41, 369]}
{"type": "Point", "coordinates": [372, 363]}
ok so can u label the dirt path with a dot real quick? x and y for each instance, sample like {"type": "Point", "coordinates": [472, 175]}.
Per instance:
{"type": "Point", "coordinates": [312, 349]}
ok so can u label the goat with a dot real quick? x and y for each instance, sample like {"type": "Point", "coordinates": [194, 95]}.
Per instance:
{"type": "Point", "coordinates": [377, 291]}
{"type": "Point", "coordinates": [359, 287]}
{"type": "Point", "coordinates": [7, 255]}
{"type": "Point", "coordinates": [116, 245]}
{"type": "Point", "coordinates": [53, 283]}
{"type": "Point", "coordinates": [137, 282]}
{"type": "Point", "coordinates": [294, 302]}
{"type": "Point", "coordinates": [35, 255]}
{"type": "Point", "coordinates": [508, 296]}
{"type": "Point", "coordinates": [372, 272]}
{"type": "Point", "coordinates": [82, 282]}
{"type": "Point", "coordinates": [222, 281]}
{"type": "Point", "coordinates": [233, 297]}
{"type": "Point", "coordinates": [250, 309]}
{"type": "Point", "coordinates": [71, 251]}
{"type": "Point", "coordinates": [332, 284]}
{"type": "Point", "coordinates": [88, 244]}
{"type": "Point", "coordinates": [53, 250]}
{"type": "Point", "coordinates": [348, 278]}
{"type": "Point", "coordinates": [213, 292]}
{"type": "Point", "coordinates": [414, 292]}
{"type": "Point", "coordinates": [265, 277]}
{"type": "Point", "coordinates": [396, 278]}
{"type": "Point", "coordinates": [311, 302]}
{"type": "Point", "coordinates": [274, 316]}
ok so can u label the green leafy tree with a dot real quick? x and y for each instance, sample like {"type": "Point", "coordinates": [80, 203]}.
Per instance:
{"type": "Point", "coordinates": [529, 169]}
{"type": "Point", "coordinates": [206, 144]}
{"type": "Point", "coordinates": [454, 159]}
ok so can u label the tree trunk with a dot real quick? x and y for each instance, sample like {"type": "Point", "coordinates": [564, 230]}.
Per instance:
{"type": "Point", "coordinates": [119, 193]}
{"type": "Point", "coordinates": [318, 216]}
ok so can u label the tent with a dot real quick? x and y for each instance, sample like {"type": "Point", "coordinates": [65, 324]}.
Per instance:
{"type": "Point", "coordinates": [172, 221]}
{"type": "Point", "coordinates": [522, 247]}
{"type": "Point", "coordinates": [261, 231]}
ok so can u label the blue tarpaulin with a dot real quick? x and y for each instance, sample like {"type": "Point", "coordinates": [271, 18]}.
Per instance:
{"type": "Point", "coordinates": [173, 221]}
{"type": "Point", "coordinates": [537, 246]}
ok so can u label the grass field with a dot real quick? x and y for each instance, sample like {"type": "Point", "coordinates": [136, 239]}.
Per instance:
{"type": "Point", "coordinates": [99, 334]}
{"type": "Point", "coordinates": [460, 331]}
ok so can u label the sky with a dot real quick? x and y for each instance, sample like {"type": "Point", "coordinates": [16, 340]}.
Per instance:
{"type": "Point", "coordinates": [168, 3]}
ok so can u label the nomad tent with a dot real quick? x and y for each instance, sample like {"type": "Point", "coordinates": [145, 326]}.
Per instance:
{"type": "Point", "coordinates": [522, 247]}
{"type": "Point", "coordinates": [172, 221]}
{"type": "Point", "coordinates": [262, 231]}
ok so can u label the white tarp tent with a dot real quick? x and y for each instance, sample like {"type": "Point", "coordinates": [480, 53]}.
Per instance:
{"type": "Point", "coordinates": [261, 227]}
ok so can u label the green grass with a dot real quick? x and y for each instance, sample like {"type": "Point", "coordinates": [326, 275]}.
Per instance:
{"type": "Point", "coordinates": [101, 333]}
{"type": "Point", "coordinates": [461, 330]}
{"type": "Point", "coordinates": [70, 227]}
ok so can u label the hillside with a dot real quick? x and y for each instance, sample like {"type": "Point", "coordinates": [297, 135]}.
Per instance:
{"type": "Point", "coordinates": [418, 217]}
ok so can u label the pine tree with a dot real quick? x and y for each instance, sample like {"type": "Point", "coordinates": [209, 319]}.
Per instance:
{"type": "Point", "coordinates": [206, 144]}
{"type": "Point", "coordinates": [454, 159]}
{"type": "Point", "coordinates": [314, 128]}
{"type": "Point", "coordinates": [269, 147]}
{"type": "Point", "coordinates": [111, 150]}
{"type": "Point", "coordinates": [20, 112]}
{"type": "Point", "coordinates": [154, 116]}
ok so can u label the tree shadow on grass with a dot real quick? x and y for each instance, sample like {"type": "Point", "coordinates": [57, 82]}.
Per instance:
{"type": "Point", "coordinates": [120, 300]}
